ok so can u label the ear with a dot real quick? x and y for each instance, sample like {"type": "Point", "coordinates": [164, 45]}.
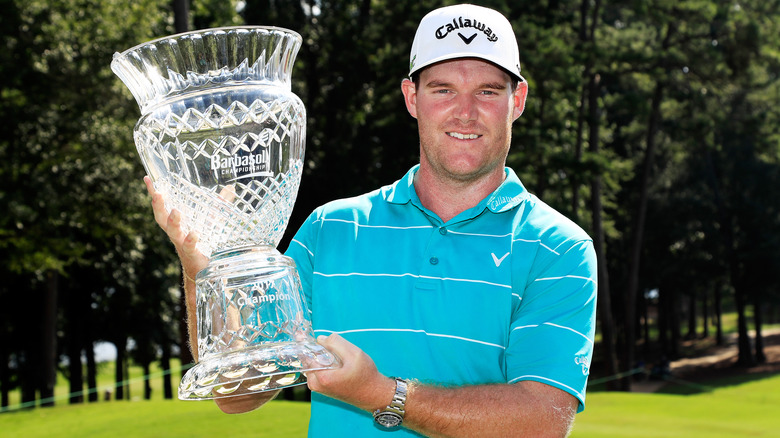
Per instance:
{"type": "Point", "coordinates": [410, 96]}
{"type": "Point", "coordinates": [519, 99]}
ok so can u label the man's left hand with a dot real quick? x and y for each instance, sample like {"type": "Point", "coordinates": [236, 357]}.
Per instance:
{"type": "Point", "coordinates": [357, 382]}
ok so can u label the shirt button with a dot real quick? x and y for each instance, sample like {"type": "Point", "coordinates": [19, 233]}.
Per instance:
{"type": "Point", "coordinates": [442, 231]}
{"type": "Point", "coordinates": [434, 261]}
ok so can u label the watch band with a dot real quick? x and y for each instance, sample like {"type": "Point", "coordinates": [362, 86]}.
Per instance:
{"type": "Point", "coordinates": [393, 415]}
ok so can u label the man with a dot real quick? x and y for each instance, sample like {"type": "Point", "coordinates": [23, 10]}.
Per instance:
{"type": "Point", "coordinates": [477, 298]}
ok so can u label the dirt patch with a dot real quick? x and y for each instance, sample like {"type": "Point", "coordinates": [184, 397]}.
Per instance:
{"type": "Point", "coordinates": [722, 361]}
{"type": "Point", "coordinates": [711, 362]}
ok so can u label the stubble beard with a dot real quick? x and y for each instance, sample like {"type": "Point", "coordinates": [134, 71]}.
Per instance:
{"type": "Point", "coordinates": [453, 173]}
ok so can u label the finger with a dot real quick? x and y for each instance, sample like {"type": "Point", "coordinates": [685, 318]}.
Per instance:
{"type": "Point", "coordinates": [339, 346]}
{"type": "Point", "coordinates": [312, 381]}
{"type": "Point", "coordinates": [189, 245]}
{"type": "Point", "coordinates": [193, 261]}
{"type": "Point", "coordinates": [333, 341]}
{"type": "Point", "coordinates": [228, 193]}
{"type": "Point", "coordinates": [173, 228]}
{"type": "Point", "coordinates": [149, 185]}
{"type": "Point", "coordinates": [158, 204]}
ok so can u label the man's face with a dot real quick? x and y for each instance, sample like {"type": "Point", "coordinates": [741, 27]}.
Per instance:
{"type": "Point", "coordinates": [464, 110]}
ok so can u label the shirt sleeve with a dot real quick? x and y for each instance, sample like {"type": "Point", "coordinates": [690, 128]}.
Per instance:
{"type": "Point", "coordinates": [552, 330]}
{"type": "Point", "coordinates": [301, 250]}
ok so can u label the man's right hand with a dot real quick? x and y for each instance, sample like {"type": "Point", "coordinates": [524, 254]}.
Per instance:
{"type": "Point", "coordinates": [192, 260]}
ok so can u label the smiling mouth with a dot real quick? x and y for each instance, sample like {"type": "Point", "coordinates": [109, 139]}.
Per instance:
{"type": "Point", "coordinates": [460, 136]}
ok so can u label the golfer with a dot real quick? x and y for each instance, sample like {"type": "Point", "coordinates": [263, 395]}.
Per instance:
{"type": "Point", "coordinates": [459, 303]}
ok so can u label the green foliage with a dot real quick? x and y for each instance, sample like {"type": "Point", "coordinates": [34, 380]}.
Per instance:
{"type": "Point", "coordinates": [70, 179]}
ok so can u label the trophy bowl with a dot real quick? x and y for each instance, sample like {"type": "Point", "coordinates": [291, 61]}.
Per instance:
{"type": "Point", "coordinates": [222, 137]}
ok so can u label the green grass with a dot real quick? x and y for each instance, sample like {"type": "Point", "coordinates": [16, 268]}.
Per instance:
{"type": "Point", "coordinates": [740, 406]}
{"type": "Point", "coordinates": [735, 409]}
{"type": "Point", "coordinates": [739, 410]}
{"type": "Point", "coordinates": [156, 418]}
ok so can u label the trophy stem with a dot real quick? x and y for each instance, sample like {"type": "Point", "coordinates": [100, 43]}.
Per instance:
{"type": "Point", "coordinates": [254, 333]}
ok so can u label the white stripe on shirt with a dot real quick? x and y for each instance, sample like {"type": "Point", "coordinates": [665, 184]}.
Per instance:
{"type": "Point", "coordinates": [553, 325]}
{"type": "Point", "coordinates": [438, 335]}
{"type": "Point", "coordinates": [528, 377]}
{"type": "Point", "coordinates": [540, 243]}
{"type": "Point", "coordinates": [566, 276]}
{"type": "Point", "coordinates": [376, 226]}
{"type": "Point", "coordinates": [464, 280]}
{"type": "Point", "coordinates": [304, 247]}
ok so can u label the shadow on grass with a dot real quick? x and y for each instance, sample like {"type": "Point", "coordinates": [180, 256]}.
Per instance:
{"type": "Point", "coordinates": [680, 386]}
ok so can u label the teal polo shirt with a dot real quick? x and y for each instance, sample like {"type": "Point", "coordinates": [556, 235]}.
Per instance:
{"type": "Point", "coordinates": [503, 292]}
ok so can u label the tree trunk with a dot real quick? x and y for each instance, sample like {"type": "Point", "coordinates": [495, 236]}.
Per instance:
{"type": "Point", "coordinates": [48, 364]}
{"type": "Point", "coordinates": [5, 377]}
{"type": "Point", "coordinates": [674, 319]}
{"type": "Point", "coordinates": [119, 372]}
{"type": "Point", "coordinates": [691, 315]}
{"type": "Point", "coordinates": [718, 316]}
{"type": "Point", "coordinates": [91, 372]}
{"type": "Point", "coordinates": [705, 314]}
{"type": "Point", "coordinates": [75, 375]}
{"type": "Point", "coordinates": [147, 382]}
{"type": "Point", "coordinates": [630, 315]}
{"type": "Point", "coordinates": [590, 94]}
{"type": "Point", "coordinates": [165, 365]}
{"type": "Point", "coordinates": [29, 359]}
{"type": "Point", "coordinates": [758, 319]}
{"type": "Point", "coordinates": [89, 352]}
{"type": "Point", "coordinates": [575, 179]}
{"type": "Point", "coordinates": [586, 35]}
{"type": "Point", "coordinates": [604, 298]}
{"type": "Point", "coordinates": [745, 352]}
{"type": "Point", "coordinates": [181, 15]}
{"type": "Point", "coordinates": [75, 320]}
{"type": "Point", "coordinates": [646, 328]}
{"type": "Point", "coordinates": [663, 321]}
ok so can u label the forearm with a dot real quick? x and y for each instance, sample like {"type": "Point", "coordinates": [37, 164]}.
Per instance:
{"type": "Point", "coordinates": [192, 313]}
{"type": "Point", "coordinates": [525, 408]}
{"type": "Point", "coordinates": [521, 409]}
{"type": "Point", "coordinates": [192, 261]}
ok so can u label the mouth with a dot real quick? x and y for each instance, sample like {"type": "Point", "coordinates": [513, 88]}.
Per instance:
{"type": "Point", "coordinates": [461, 136]}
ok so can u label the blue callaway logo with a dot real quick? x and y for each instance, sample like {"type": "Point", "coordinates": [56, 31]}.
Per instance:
{"type": "Point", "coordinates": [464, 23]}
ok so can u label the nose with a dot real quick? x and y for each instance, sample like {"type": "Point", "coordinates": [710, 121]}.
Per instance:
{"type": "Point", "coordinates": [465, 107]}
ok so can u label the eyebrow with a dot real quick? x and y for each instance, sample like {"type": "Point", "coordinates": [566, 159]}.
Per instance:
{"type": "Point", "coordinates": [489, 85]}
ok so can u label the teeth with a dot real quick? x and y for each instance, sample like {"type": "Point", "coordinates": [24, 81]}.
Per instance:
{"type": "Point", "coordinates": [460, 136]}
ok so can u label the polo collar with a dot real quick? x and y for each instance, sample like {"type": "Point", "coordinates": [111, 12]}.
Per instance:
{"type": "Point", "coordinates": [507, 196]}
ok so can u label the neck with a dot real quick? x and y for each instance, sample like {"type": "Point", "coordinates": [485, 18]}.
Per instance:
{"type": "Point", "coordinates": [448, 198]}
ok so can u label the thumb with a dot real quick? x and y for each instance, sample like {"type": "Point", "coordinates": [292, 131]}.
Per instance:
{"type": "Point", "coordinates": [335, 343]}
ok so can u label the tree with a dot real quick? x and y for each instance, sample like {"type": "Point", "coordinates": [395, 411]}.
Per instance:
{"type": "Point", "coordinates": [67, 160]}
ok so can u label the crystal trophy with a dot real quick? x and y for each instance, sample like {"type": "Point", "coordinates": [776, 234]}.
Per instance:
{"type": "Point", "coordinates": [223, 137]}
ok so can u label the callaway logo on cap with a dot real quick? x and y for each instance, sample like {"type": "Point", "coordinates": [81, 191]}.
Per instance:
{"type": "Point", "coordinates": [465, 31]}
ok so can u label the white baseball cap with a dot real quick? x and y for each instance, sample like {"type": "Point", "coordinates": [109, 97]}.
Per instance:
{"type": "Point", "coordinates": [465, 31]}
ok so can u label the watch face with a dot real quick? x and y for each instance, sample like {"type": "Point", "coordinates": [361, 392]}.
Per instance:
{"type": "Point", "coordinates": [388, 419]}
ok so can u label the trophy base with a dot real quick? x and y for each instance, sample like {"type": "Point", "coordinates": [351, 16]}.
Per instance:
{"type": "Point", "coordinates": [254, 333]}
{"type": "Point", "coordinates": [255, 370]}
